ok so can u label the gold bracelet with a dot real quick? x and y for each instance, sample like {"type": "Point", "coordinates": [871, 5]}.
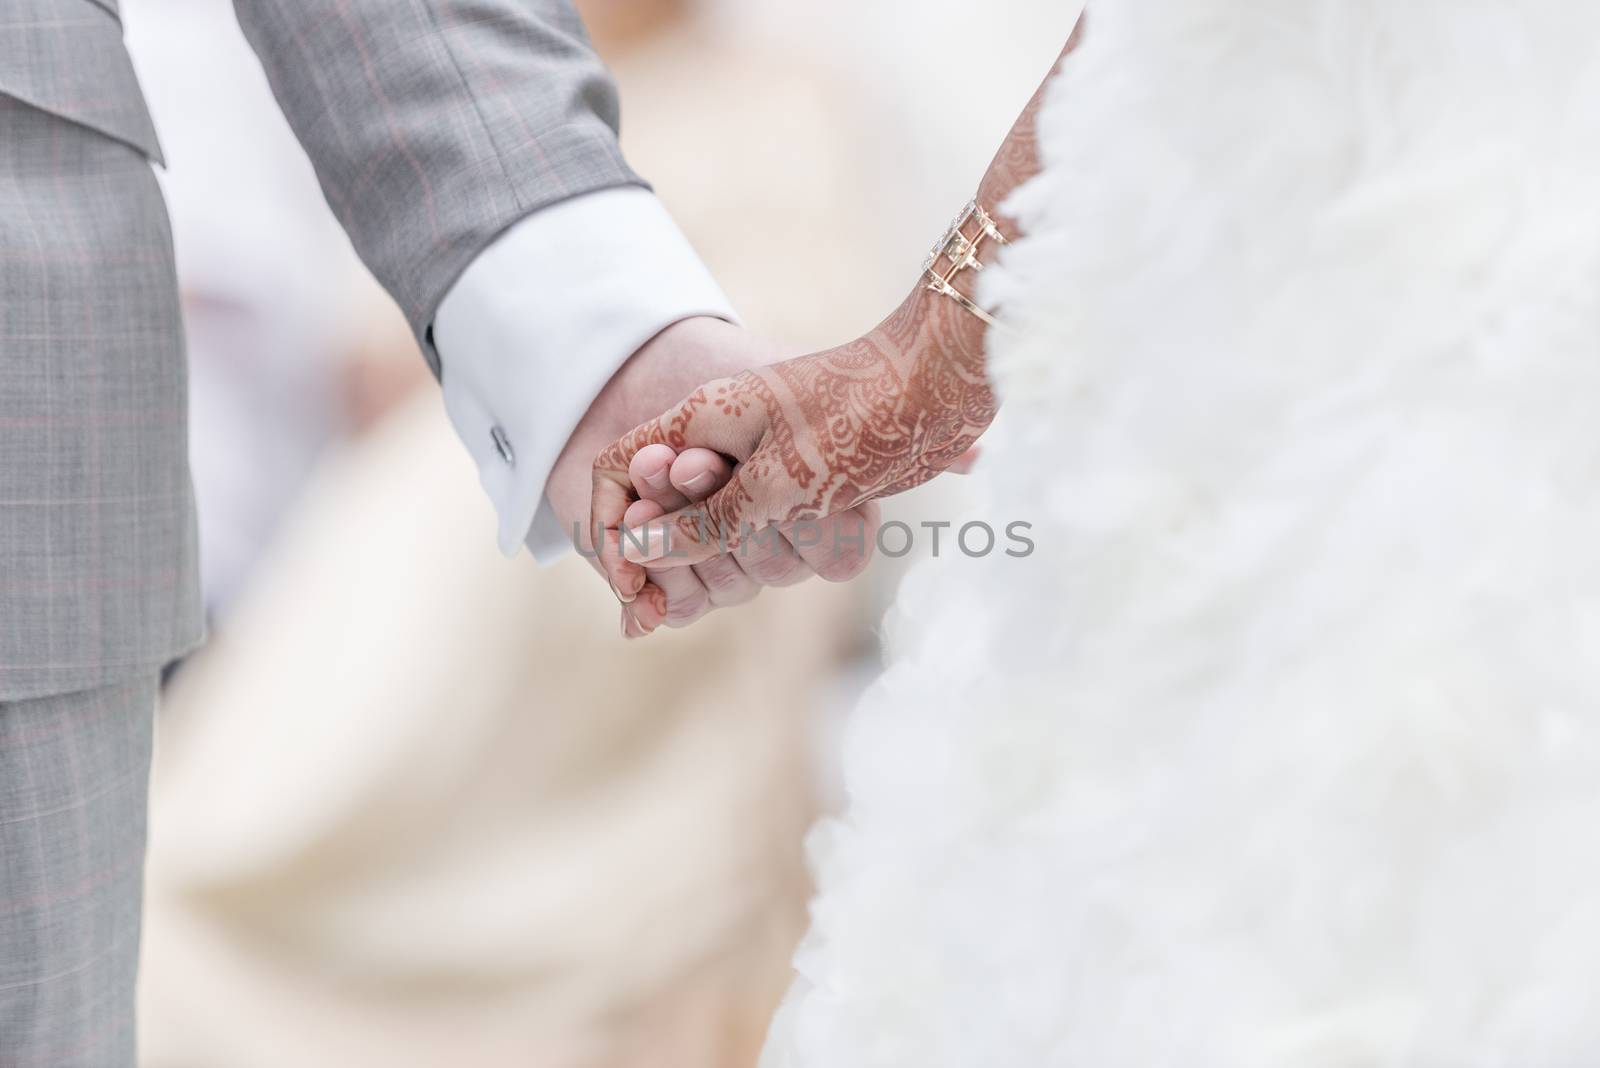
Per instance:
{"type": "Point", "coordinates": [962, 252]}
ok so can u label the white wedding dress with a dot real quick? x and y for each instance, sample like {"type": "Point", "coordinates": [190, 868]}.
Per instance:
{"type": "Point", "coordinates": [1283, 748]}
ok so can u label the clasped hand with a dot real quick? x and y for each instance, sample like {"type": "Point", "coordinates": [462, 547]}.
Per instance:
{"type": "Point", "coordinates": [764, 476]}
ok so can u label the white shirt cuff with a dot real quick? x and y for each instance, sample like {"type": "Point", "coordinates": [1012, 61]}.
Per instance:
{"type": "Point", "coordinates": [537, 325]}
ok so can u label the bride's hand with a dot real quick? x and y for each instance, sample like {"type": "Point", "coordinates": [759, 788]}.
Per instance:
{"type": "Point", "coordinates": [820, 434]}
{"type": "Point", "coordinates": [812, 436]}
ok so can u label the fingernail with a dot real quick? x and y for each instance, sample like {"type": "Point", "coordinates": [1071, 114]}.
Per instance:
{"type": "Point", "coordinates": [625, 598]}
{"type": "Point", "coordinates": [632, 629]}
{"type": "Point", "coordinates": [659, 480]}
{"type": "Point", "coordinates": [697, 481]}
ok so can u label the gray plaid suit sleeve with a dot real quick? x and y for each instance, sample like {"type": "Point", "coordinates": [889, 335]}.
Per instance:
{"type": "Point", "coordinates": [434, 125]}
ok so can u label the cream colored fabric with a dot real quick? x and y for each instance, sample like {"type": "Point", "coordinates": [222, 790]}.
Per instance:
{"type": "Point", "coordinates": [420, 805]}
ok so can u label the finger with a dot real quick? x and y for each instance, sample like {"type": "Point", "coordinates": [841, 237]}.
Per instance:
{"type": "Point", "coordinates": [765, 556]}
{"type": "Point", "coordinates": [837, 547]}
{"type": "Point", "coordinates": [726, 415]}
{"type": "Point", "coordinates": [612, 494]}
{"type": "Point", "coordinates": [650, 471]}
{"type": "Point", "coordinates": [641, 512]}
{"type": "Point", "coordinates": [697, 473]}
{"type": "Point", "coordinates": [725, 582]}
{"type": "Point", "coordinates": [631, 627]}
{"type": "Point", "coordinates": [672, 597]}
{"type": "Point", "coordinates": [769, 558]}
{"type": "Point", "coordinates": [705, 529]}
{"type": "Point", "coordinates": [644, 612]}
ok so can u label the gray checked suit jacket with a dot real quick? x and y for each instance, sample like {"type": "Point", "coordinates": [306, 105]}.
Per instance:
{"type": "Point", "coordinates": [433, 126]}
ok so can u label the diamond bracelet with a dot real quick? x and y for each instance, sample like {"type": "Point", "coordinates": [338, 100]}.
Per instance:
{"type": "Point", "coordinates": [962, 252]}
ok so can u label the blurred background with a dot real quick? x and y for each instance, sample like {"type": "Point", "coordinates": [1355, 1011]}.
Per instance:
{"type": "Point", "coordinates": [416, 804]}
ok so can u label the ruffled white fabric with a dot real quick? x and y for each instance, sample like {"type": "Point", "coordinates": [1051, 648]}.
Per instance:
{"type": "Point", "coordinates": [1284, 747]}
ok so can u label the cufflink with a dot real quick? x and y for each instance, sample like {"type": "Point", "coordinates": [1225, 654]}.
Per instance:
{"type": "Point", "coordinates": [502, 445]}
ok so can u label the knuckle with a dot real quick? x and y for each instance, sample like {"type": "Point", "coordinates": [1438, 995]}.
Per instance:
{"type": "Point", "coordinates": [841, 566]}
{"type": "Point", "coordinates": [723, 577]}
{"type": "Point", "coordinates": [745, 382]}
{"type": "Point", "coordinates": [776, 570]}
{"type": "Point", "coordinates": [686, 608]}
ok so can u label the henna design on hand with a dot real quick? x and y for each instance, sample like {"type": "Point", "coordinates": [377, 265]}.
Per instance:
{"type": "Point", "coordinates": [879, 415]}
{"type": "Point", "coordinates": [820, 434]}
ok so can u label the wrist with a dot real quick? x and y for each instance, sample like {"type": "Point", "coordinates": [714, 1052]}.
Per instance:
{"type": "Point", "coordinates": [949, 327]}
{"type": "Point", "coordinates": [944, 337]}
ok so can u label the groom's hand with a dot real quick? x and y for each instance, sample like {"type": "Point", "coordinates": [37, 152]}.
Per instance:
{"type": "Point", "coordinates": [660, 373]}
